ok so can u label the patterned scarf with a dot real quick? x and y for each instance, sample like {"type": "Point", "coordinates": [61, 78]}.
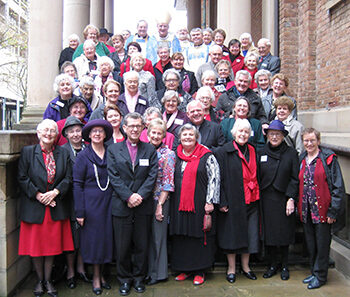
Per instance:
{"type": "Point", "coordinates": [49, 164]}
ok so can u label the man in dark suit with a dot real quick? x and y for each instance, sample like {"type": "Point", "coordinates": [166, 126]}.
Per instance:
{"type": "Point", "coordinates": [132, 169]}
{"type": "Point", "coordinates": [210, 133]}
{"type": "Point", "coordinates": [268, 61]}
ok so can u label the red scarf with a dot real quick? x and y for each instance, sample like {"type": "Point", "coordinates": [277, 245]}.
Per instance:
{"type": "Point", "coordinates": [190, 176]}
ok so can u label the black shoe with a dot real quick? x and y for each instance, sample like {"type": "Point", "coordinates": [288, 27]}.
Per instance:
{"type": "Point", "coordinates": [285, 274]}
{"type": "Point", "coordinates": [97, 291]}
{"type": "Point", "coordinates": [51, 290]}
{"type": "Point", "coordinates": [315, 283]}
{"type": "Point", "coordinates": [124, 289]}
{"type": "Point", "coordinates": [39, 289]}
{"type": "Point", "coordinates": [231, 277]}
{"type": "Point", "coordinates": [71, 283]}
{"type": "Point", "coordinates": [308, 279]}
{"type": "Point", "coordinates": [84, 277]}
{"type": "Point", "coordinates": [250, 274]}
{"type": "Point", "coordinates": [106, 285]}
{"type": "Point", "coordinates": [139, 286]}
{"type": "Point", "coordinates": [270, 272]}
{"type": "Point", "coordinates": [152, 282]}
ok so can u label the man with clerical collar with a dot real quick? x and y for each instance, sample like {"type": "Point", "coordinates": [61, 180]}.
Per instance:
{"type": "Point", "coordinates": [132, 169]}
{"type": "Point", "coordinates": [164, 37]}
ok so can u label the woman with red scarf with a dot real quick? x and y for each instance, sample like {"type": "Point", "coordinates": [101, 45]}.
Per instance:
{"type": "Point", "coordinates": [44, 177]}
{"type": "Point", "coordinates": [197, 189]}
{"type": "Point", "coordinates": [238, 219]}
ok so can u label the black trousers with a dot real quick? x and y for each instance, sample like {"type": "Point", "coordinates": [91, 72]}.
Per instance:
{"type": "Point", "coordinates": [131, 237]}
{"type": "Point", "coordinates": [318, 241]}
{"type": "Point", "coordinates": [274, 251]}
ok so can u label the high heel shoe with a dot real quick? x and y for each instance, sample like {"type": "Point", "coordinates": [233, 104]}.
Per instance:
{"type": "Point", "coordinates": [39, 289]}
{"type": "Point", "coordinates": [250, 274]}
{"type": "Point", "coordinates": [51, 290]}
{"type": "Point", "coordinates": [71, 283]}
{"type": "Point", "coordinates": [84, 277]}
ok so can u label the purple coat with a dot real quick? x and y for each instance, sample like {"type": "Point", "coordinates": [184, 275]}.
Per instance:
{"type": "Point", "coordinates": [53, 111]}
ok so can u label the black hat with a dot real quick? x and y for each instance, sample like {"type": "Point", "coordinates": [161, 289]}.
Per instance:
{"type": "Point", "coordinates": [97, 123]}
{"type": "Point", "coordinates": [71, 121]}
{"type": "Point", "coordinates": [76, 99]}
{"type": "Point", "coordinates": [105, 31]}
{"type": "Point", "coordinates": [277, 125]}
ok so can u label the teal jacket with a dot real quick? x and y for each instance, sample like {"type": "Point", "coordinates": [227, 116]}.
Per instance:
{"type": "Point", "coordinates": [256, 138]}
{"type": "Point", "coordinates": [101, 50]}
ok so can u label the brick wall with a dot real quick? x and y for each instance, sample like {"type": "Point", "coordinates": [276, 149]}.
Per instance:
{"type": "Point", "coordinates": [256, 20]}
{"type": "Point", "coordinates": [314, 47]}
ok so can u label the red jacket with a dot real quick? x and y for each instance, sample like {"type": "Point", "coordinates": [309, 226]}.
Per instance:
{"type": "Point", "coordinates": [125, 67]}
{"type": "Point", "coordinates": [323, 195]}
{"type": "Point", "coordinates": [237, 64]}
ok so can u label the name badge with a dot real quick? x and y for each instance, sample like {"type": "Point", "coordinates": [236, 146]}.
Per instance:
{"type": "Point", "coordinates": [179, 122]}
{"type": "Point", "coordinates": [263, 158]}
{"type": "Point", "coordinates": [238, 60]}
{"type": "Point", "coordinates": [144, 162]}
{"type": "Point", "coordinates": [252, 134]}
{"type": "Point", "coordinates": [60, 104]}
{"type": "Point", "coordinates": [142, 101]}
{"type": "Point", "coordinates": [264, 65]}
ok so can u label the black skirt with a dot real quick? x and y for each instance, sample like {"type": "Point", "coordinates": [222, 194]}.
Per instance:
{"type": "Point", "coordinates": [253, 232]}
{"type": "Point", "coordinates": [191, 254]}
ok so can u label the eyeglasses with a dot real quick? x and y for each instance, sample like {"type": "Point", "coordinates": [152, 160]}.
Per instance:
{"type": "Point", "coordinates": [309, 141]}
{"type": "Point", "coordinates": [172, 80]}
{"type": "Point", "coordinates": [100, 131]}
{"type": "Point", "coordinates": [275, 134]}
{"type": "Point", "coordinates": [47, 130]}
{"type": "Point", "coordinates": [133, 127]}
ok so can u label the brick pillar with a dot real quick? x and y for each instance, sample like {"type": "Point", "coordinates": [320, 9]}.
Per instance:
{"type": "Point", "coordinates": [289, 43]}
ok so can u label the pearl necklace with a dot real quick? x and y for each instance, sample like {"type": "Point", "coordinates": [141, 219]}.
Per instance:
{"type": "Point", "coordinates": [98, 180]}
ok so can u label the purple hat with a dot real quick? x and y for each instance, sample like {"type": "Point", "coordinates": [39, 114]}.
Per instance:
{"type": "Point", "coordinates": [97, 123]}
{"type": "Point", "coordinates": [277, 125]}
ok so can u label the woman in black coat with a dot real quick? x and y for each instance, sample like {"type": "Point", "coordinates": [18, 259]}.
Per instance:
{"type": "Point", "coordinates": [238, 219]}
{"type": "Point", "coordinates": [278, 170]}
{"type": "Point", "coordinates": [44, 177]}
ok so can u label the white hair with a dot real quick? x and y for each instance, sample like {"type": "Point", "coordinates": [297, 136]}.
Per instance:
{"type": "Point", "coordinates": [246, 35]}
{"type": "Point", "coordinates": [265, 41]}
{"type": "Point", "coordinates": [240, 124]}
{"type": "Point", "coordinates": [105, 60]}
{"type": "Point", "coordinates": [130, 74]}
{"type": "Point", "coordinates": [73, 37]}
{"type": "Point", "coordinates": [61, 77]}
{"type": "Point", "coordinates": [46, 123]}
{"type": "Point", "coordinates": [89, 42]}
{"type": "Point", "coordinates": [203, 91]}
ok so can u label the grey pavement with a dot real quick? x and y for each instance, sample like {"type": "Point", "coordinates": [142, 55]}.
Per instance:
{"type": "Point", "coordinates": [216, 285]}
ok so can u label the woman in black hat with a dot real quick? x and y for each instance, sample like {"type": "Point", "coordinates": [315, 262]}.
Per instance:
{"type": "Point", "coordinates": [278, 168]}
{"type": "Point", "coordinates": [72, 131]}
{"type": "Point", "coordinates": [92, 198]}
{"type": "Point", "coordinates": [79, 108]}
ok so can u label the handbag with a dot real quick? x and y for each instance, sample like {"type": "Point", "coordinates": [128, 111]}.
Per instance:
{"type": "Point", "coordinates": [207, 223]}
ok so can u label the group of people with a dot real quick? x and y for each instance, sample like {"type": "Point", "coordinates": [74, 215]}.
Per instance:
{"type": "Point", "coordinates": [202, 144]}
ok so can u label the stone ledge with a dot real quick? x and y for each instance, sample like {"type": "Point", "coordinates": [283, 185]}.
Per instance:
{"type": "Point", "coordinates": [341, 256]}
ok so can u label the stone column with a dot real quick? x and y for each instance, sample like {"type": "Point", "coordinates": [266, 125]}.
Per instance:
{"type": "Point", "coordinates": [97, 13]}
{"type": "Point", "coordinates": [268, 22]}
{"type": "Point", "coordinates": [44, 47]}
{"type": "Point", "coordinates": [76, 16]}
{"type": "Point", "coordinates": [13, 268]}
{"type": "Point", "coordinates": [234, 16]}
{"type": "Point", "coordinates": [109, 15]}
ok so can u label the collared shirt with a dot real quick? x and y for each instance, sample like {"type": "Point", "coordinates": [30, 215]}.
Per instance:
{"type": "Point", "coordinates": [132, 148]}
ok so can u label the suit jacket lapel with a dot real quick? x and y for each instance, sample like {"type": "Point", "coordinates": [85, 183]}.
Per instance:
{"type": "Point", "coordinates": [39, 156]}
{"type": "Point", "coordinates": [205, 131]}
